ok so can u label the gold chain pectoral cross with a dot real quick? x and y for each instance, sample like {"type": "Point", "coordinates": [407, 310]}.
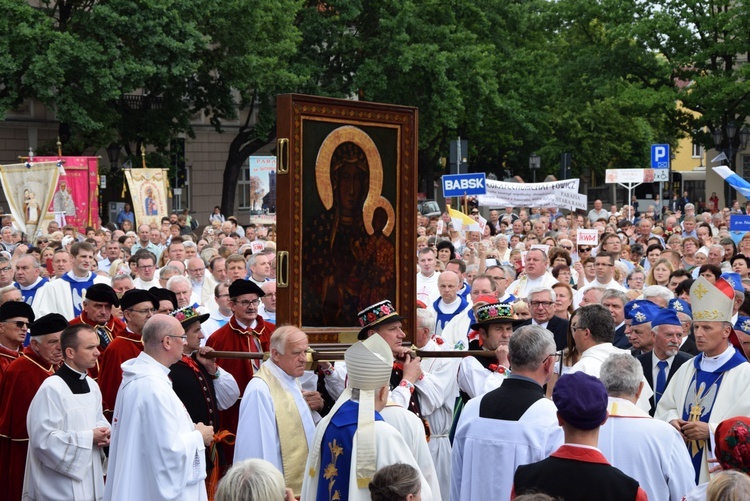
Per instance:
{"type": "Point", "coordinates": [696, 410]}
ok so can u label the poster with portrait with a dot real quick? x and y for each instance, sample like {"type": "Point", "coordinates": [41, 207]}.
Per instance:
{"type": "Point", "coordinates": [76, 198]}
{"type": "Point", "coordinates": [346, 183]}
{"type": "Point", "coordinates": [148, 189]}
{"type": "Point", "coordinates": [28, 188]}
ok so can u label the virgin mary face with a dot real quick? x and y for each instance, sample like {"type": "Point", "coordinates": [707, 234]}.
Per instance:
{"type": "Point", "coordinates": [349, 181]}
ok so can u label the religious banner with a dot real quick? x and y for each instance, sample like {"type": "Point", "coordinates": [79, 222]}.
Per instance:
{"type": "Point", "coordinates": [346, 191]}
{"type": "Point", "coordinates": [76, 199]}
{"type": "Point", "coordinates": [28, 189]}
{"type": "Point", "coordinates": [148, 189]}
{"type": "Point", "coordinates": [503, 194]}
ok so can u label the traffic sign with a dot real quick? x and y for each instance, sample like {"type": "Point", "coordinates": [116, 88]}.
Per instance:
{"type": "Point", "coordinates": [456, 185]}
{"type": "Point", "coordinates": [660, 156]}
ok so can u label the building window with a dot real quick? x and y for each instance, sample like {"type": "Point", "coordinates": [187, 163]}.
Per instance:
{"type": "Point", "coordinates": [243, 188]}
{"type": "Point", "coordinates": [745, 166]}
{"type": "Point", "coordinates": [697, 150]}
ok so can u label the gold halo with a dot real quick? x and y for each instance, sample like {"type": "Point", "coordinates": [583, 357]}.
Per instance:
{"type": "Point", "coordinates": [344, 134]}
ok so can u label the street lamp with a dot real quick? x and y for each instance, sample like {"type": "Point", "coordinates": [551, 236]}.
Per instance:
{"type": "Point", "coordinates": [729, 139]}
{"type": "Point", "coordinates": [113, 154]}
{"type": "Point", "coordinates": [535, 162]}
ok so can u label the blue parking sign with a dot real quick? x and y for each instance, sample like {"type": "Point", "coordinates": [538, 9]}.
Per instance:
{"type": "Point", "coordinates": [660, 156]}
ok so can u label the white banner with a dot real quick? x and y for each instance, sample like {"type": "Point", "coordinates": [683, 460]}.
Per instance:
{"type": "Point", "coordinates": [29, 191]}
{"type": "Point", "coordinates": [571, 199]}
{"type": "Point", "coordinates": [629, 176]}
{"type": "Point", "coordinates": [501, 194]}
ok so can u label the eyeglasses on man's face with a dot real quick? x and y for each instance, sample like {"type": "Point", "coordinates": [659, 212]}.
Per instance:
{"type": "Point", "coordinates": [245, 303]}
{"type": "Point", "coordinates": [18, 323]}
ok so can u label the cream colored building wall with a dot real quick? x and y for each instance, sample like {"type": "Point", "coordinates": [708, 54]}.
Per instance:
{"type": "Point", "coordinates": [205, 156]}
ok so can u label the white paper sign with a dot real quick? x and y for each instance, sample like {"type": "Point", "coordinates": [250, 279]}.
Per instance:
{"type": "Point", "coordinates": [571, 199]}
{"type": "Point", "coordinates": [587, 237]}
{"type": "Point", "coordinates": [257, 246]}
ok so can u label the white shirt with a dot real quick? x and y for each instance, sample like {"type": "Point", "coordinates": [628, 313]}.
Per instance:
{"type": "Point", "coordinates": [427, 288]}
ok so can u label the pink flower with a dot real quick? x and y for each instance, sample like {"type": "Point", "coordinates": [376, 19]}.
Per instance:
{"type": "Point", "coordinates": [180, 316]}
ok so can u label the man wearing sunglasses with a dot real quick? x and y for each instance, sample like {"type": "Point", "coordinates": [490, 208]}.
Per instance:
{"type": "Point", "coordinates": [15, 317]}
{"type": "Point", "coordinates": [604, 267]}
{"type": "Point", "coordinates": [20, 383]}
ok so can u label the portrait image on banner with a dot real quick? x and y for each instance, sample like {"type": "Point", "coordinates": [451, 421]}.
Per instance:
{"type": "Point", "coordinates": [28, 190]}
{"type": "Point", "coordinates": [76, 198]}
{"type": "Point", "coordinates": [348, 227]}
{"type": "Point", "coordinates": [148, 189]}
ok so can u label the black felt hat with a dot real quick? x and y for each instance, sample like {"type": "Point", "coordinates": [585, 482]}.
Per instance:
{"type": "Point", "coordinates": [102, 293]}
{"type": "Point", "coordinates": [137, 296]}
{"type": "Point", "coordinates": [241, 286]}
{"type": "Point", "coordinates": [48, 324]}
{"type": "Point", "coordinates": [164, 295]}
{"type": "Point", "coordinates": [13, 309]}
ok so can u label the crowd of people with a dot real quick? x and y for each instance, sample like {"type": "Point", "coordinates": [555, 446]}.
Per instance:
{"type": "Point", "coordinates": [609, 370]}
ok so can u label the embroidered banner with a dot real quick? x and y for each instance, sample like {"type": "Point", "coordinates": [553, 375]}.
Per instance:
{"type": "Point", "coordinates": [148, 189]}
{"type": "Point", "coordinates": [28, 188]}
{"type": "Point", "coordinates": [76, 198]}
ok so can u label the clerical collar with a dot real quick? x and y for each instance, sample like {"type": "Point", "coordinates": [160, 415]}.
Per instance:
{"type": "Point", "coordinates": [710, 364]}
{"type": "Point", "coordinates": [75, 381]}
{"type": "Point", "coordinates": [524, 378]}
{"type": "Point", "coordinates": [81, 375]}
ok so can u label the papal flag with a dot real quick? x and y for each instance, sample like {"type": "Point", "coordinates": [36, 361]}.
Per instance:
{"type": "Point", "coordinates": [462, 222]}
{"type": "Point", "coordinates": [29, 188]}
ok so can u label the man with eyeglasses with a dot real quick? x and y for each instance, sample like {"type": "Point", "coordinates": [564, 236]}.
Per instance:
{"type": "Point", "coordinates": [156, 447]}
{"type": "Point", "coordinates": [97, 313]}
{"type": "Point", "coordinates": [593, 331]}
{"type": "Point", "coordinates": [604, 267]}
{"type": "Point", "coordinates": [268, 302]}
{"type": "Point", "coordinates": [611, 243]}
{"type": "Point", "coordinates": [146, 271]}
{"type": "Point", "coordinates": [28, 280]}
{"type": "Point", "coordinates": [137, 307]}
{"type": "Point", "coordinates": [542, 306]}
{"type": "Point", "coordinates": [24, 376]}
{"type": "Point", "coordinates": [219, 316]}
{"type": "Point", "coordinates": [15, 317]}
{"type": "Point", "coordinates": [65, 295]}
{"type": "Point", "coordinates": [509, 426]}
{"type": "Point", "coordinates": [246, 331]}
{"type": "Point", "coordinates": [6, 270]}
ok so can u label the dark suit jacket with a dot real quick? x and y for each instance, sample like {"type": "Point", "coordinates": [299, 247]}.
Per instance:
{"type": "Point", "coordinates": [689, 346]}
{"type": "Point", "coordinates": [647, 363]}
{"type": "Point", "coordinates": [621, 340]}
{"type": "Point", "coordinates": [559, 329]}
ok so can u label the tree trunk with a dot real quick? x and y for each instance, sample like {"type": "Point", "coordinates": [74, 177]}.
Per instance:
{"type": "Point", "coordinates": [243, 145]}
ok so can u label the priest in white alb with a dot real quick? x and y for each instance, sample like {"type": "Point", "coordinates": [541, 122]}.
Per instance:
{"type": "Point", "coordinates": [157, 452]}
{"type": "Point", "coordinates": [67, 429]}
{"type": "Point", "coordinates": [276, 421]}
{"type": "Point", "coordinates": [713, 386]}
